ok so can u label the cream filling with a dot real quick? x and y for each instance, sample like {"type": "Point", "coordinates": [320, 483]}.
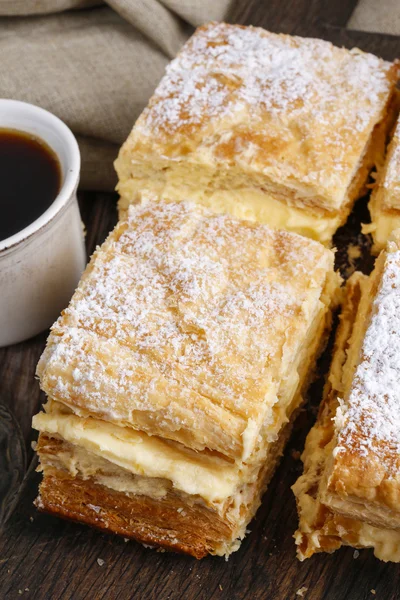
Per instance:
{"type": "Point", "coordinates": [212, 478]}
{"type": "Point", "coordinates": [383, 224]}
{"type": "Point", "coordinates": [78, 461]}
{"type": "Point", "coordinates": [251, 204]}
{"type": "Point", "coordinates": [195, 473]}
{"type": "Point", "coordinates": [385, 542]}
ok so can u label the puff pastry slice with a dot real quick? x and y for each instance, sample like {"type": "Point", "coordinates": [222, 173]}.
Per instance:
{"type": "Point", "coordinates": [278, 129]}
{"type": "Point", "coordinates": [175, 373]}
{"type": "Point", "coordinates": [349, 492]}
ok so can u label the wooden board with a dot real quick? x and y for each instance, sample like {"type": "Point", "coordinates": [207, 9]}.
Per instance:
{"type": "Point", "coordinates": [44, 558]}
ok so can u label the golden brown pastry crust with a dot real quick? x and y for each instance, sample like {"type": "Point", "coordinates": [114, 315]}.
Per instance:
{"type": "Point", "coordinates": [242, 109]}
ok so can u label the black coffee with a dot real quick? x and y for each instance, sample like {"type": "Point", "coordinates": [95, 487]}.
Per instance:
{"type": "Point", "coordinates": [30, 179]}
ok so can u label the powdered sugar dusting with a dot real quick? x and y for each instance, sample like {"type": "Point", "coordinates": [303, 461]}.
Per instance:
{"type": "Point", "coordinates": [224, 69]}
{"type": "Point", "coordinates": [372, 419]}
{"type": "Point", "coordinates": [181, 303]}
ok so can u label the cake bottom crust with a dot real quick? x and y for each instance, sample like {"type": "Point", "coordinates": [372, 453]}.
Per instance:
{"type": "Point", "coordinates": [171, 522]}
{"type": "Point", "coordinates": [194, 531]}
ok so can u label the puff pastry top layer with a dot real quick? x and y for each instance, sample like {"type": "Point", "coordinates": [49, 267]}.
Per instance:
{"type": "Point", "coordinates": [187, 324]}
{"type": "Point", "coordinates": [290, 112]}
{"type": "Point", "coordinates": [365, 468]}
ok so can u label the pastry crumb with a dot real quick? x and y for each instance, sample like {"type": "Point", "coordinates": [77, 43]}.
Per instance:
{"type": "Point", "coordinates": [100, 562]}
{"type": "Point", "coordinates": [220, 587]}
{"type": "Point", "coordinates": [353, 252]}
{"type": "Point", "coordinates": [373, 592]}
{"type": "Point", "coordinates": [301, 592]}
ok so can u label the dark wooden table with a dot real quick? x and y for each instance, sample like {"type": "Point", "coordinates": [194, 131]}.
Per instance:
{"type": "Point", "coordinates": [47, 559]}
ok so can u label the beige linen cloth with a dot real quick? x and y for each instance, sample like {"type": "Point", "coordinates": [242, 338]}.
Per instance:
{"type": "Point", "coordinates": [380, 16]}
{"type": "Point", "coordinates": [95, 64]}
{"type": "Point", "coordinates": [95, 67]}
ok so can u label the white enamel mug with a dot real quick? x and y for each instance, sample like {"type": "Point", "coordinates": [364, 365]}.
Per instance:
{"type": "Point", "coordinates": [40, 265]}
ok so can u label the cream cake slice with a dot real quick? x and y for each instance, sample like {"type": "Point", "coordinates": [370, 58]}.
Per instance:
{"type": "Point", "coordinates": [384, 205]}
{"type": "Point", "coordinates": [268, 127]}
{"type": "Point", "coordinates": [174, 375]}
{"type": "Point", "coordinates": [349, 493]}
